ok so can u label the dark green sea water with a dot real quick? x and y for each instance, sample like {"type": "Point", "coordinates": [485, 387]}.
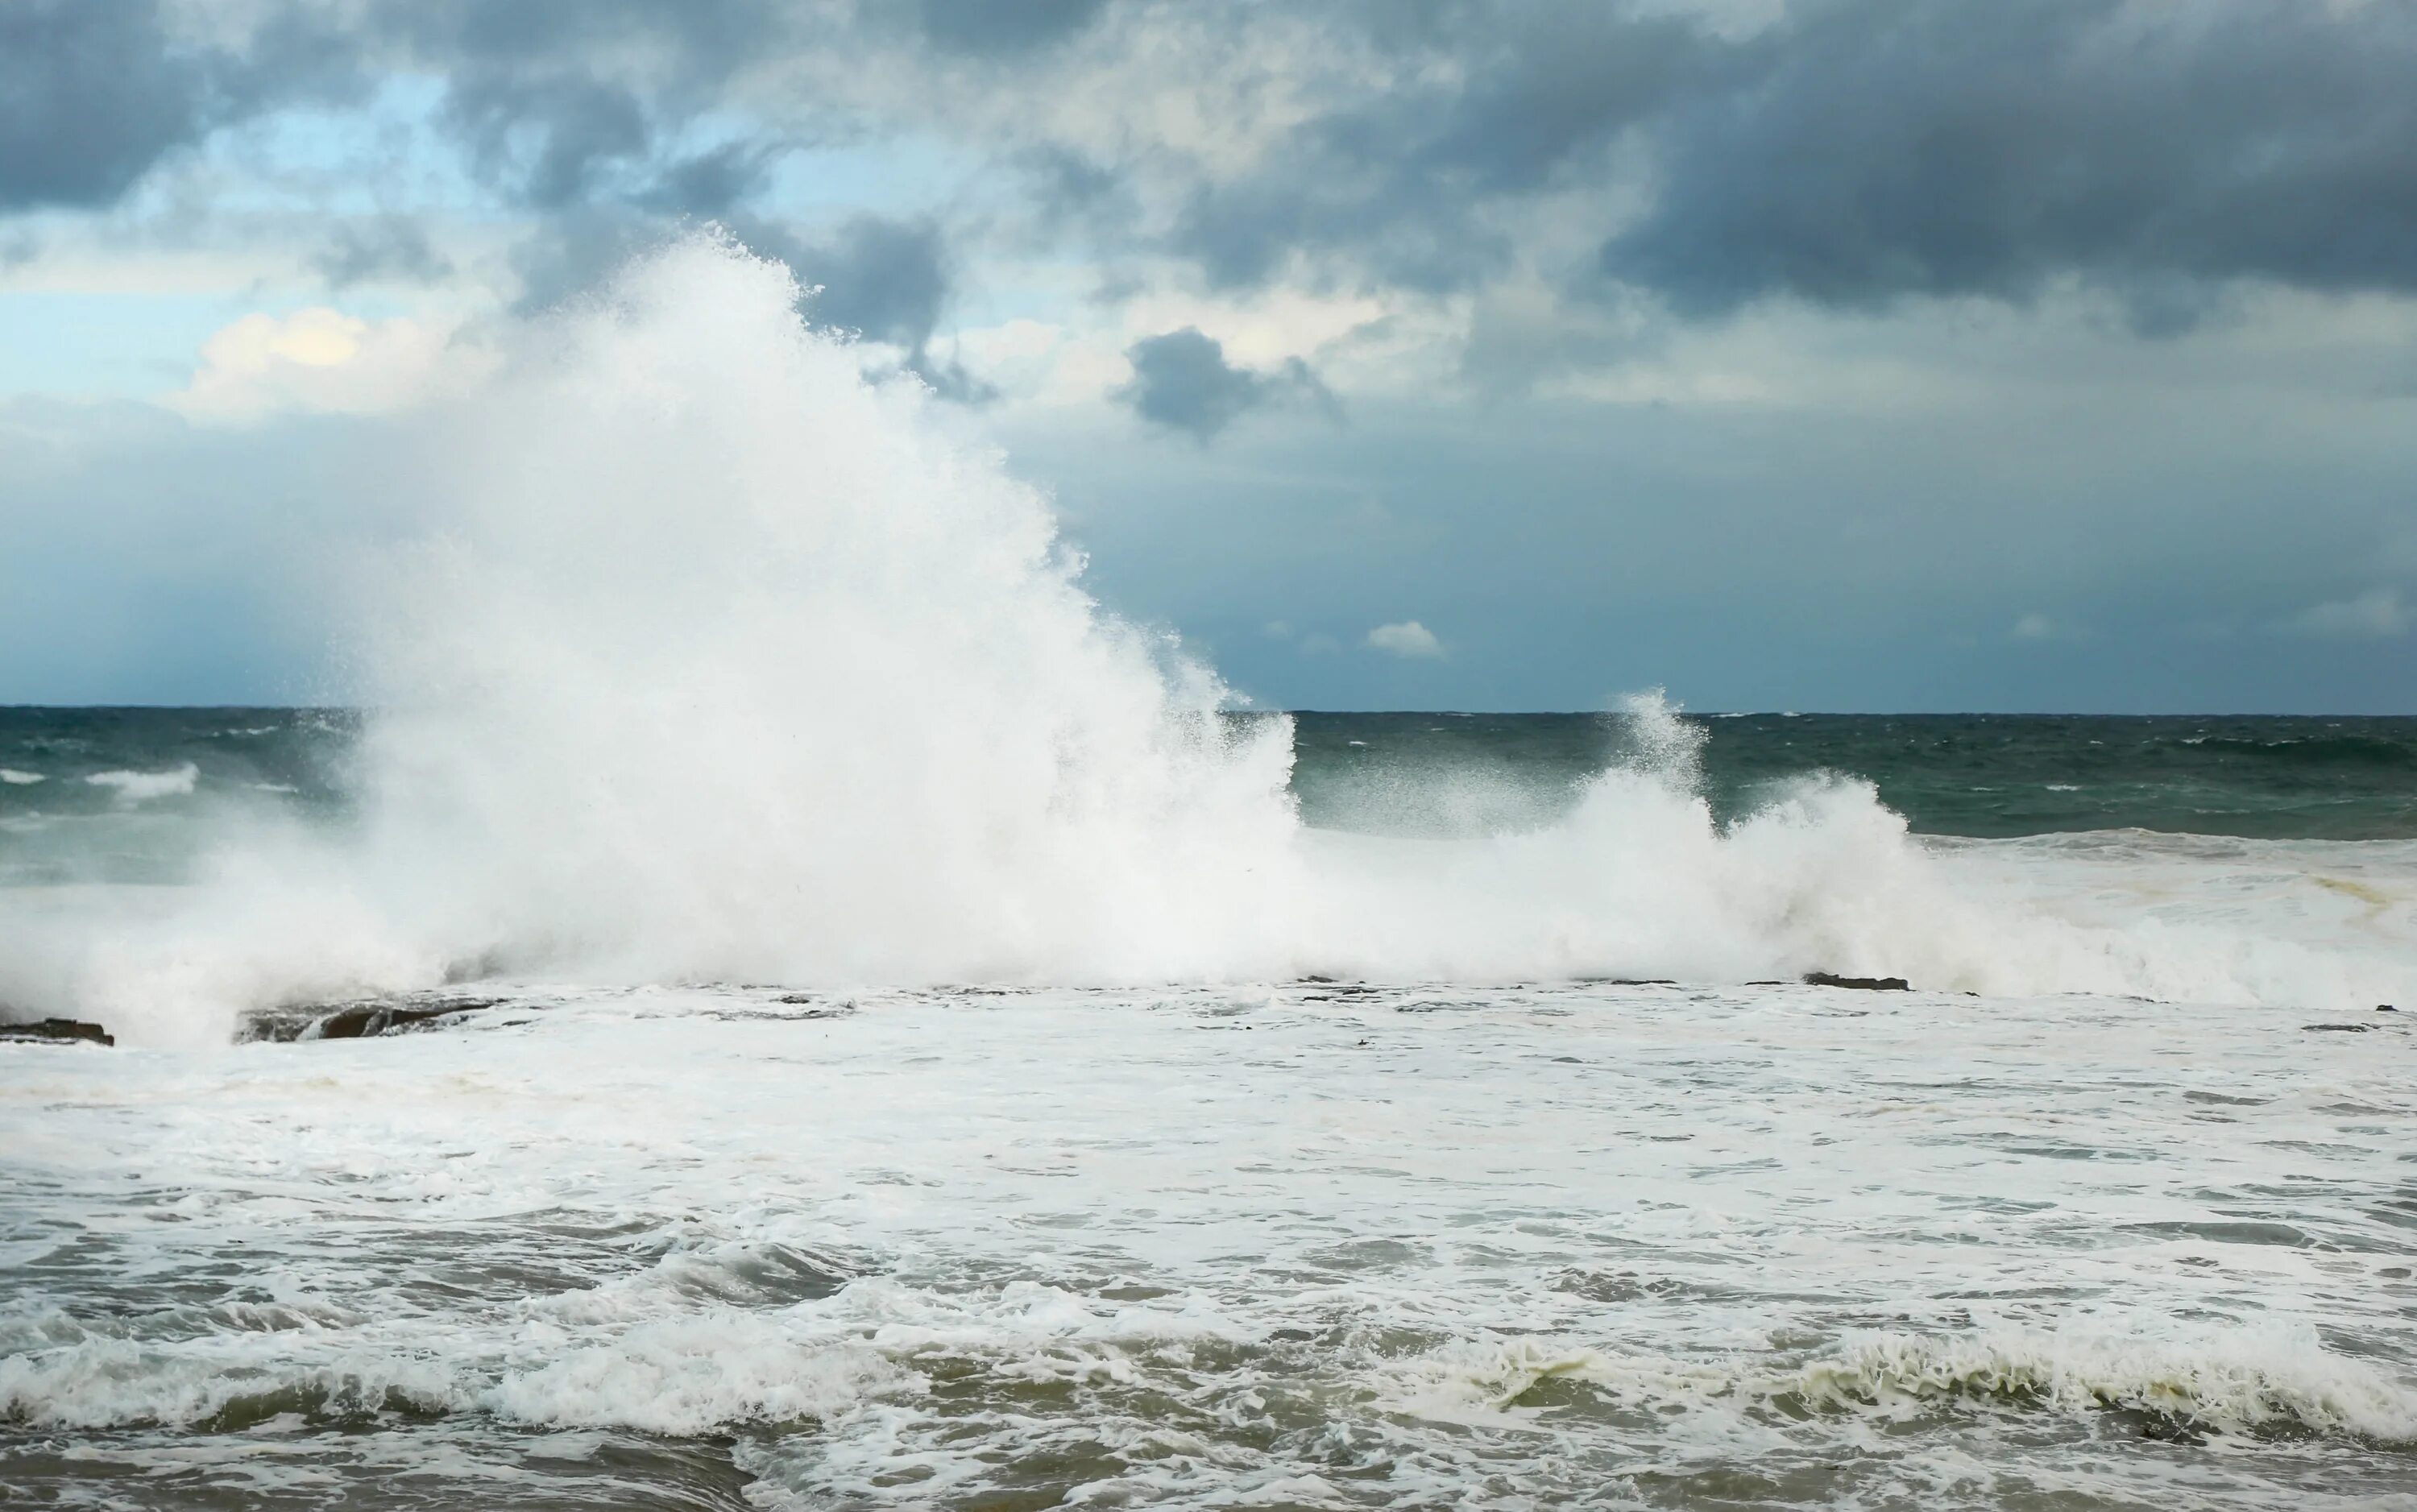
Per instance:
{"type": "Point", "coordinates": [104, 793]}
{"type": "Point", "coordinates": [1989, 775]}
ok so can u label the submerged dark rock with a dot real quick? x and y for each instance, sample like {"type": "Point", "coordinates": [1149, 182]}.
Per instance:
{"type": "Point", "coordinates": [57, 1032]}
{"type": "Point", "coordinates": [363, 1020]}
{"type": "Point", "coordinates": [358, 1020]}
{"type": "Point", "coordinates": [2336, 1028]}
{"type": "Point", "coordinates": [1860, 984]}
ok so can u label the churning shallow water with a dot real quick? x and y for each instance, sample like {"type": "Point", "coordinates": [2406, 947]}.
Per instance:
{"type": "Point", "coordinates": [1303, 1246]}
{"type": "Point", "coordinates": [1312, 1137]}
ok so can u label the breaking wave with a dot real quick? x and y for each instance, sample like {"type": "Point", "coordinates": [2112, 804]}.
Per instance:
{"type": "Point", "coordinates": [2257, 1383]}
{"type": "Point", "coordinates": [142, 787]}
{"type": "Point", "coordinates": [718, 661]}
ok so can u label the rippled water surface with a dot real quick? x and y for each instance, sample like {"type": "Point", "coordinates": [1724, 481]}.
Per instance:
{"type": "Point", "coordinates": [1311, 1246]}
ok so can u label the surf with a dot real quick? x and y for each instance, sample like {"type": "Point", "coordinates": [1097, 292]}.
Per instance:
{"type": "Point", "coordinates": [713, 658]}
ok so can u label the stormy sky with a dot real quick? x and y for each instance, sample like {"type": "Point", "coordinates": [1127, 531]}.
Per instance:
{"type": "Point", "coordinates": [1790, 353]}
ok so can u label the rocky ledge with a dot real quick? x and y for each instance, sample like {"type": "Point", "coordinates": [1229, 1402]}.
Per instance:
{"type": "Point", "coordinates": [359, 1018]}
{"type": "Point", "coordinates": [56, 1031]}
{"type": "Point", "coordinates": [1861, 984]}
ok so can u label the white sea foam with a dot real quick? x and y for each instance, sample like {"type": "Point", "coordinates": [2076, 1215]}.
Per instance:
{"type": "Point", "coordinates": [690, 1371]}
{"type": "Point", "coordinates": [142, 787]}
{"type": "Point", "coordinates": [2229, 1380]}
{"type": "Point", "coordinates": [1430, 1245]}
{"type": "Point", "coordinates": [720, 662]}
{"type": "Point", "coordinates": [16, 779]}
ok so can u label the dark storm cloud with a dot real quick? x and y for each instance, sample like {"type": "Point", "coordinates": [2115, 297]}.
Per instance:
{"type": "Point", "coordinates": [681, 52]}
{"type": "Point", "coordinates": [886, 281]}
{"type": "Point", "coordinates": [710, 182]}
{"type": "Point", "coordinates": [1182, 381]}
{"type": "Point", "coordinates": [564, 102]}
{"type": "Point", "coordinates": [89, 98]}
{"type": "Point", "coordinates": [1491, 103]}
{"type": "Point", "coordinates": [1861, 151]}
{"type": "Point", "coordinates": [1851, 154]}
{"type": "Point", "coordinates": [883, 279]}
{"type": "Point", "coordinates": [545, 96]}
{"type": "Point", "coordinates": [1892, 147]}
{"type": "Point", "coordinates": [547, 141]}
{"type": "Point", "coordinates": [93, 93]}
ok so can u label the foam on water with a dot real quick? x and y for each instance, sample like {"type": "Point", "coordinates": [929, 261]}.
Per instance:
{"type": "Point", "coordinates": [718, 662]}
{"type": "Point", "coordinates": [1484, 1247]}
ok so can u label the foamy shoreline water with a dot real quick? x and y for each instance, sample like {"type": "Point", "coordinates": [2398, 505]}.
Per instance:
{"type": "Point", "coordinates": [1274, 1246]}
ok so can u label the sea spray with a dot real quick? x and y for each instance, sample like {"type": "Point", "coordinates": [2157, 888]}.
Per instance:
{"type": "Point", "coordinates": [714, 661]}
{"type": "Point", "coordinates": [730, 663]}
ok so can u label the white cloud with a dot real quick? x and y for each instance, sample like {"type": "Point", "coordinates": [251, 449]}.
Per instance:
{"type": "Point", "coordinates": [2375, 616]}
{"type": "Point", "coordinates": [320, 360]}
{"type": "Point", "coordinates": [1407, 639]}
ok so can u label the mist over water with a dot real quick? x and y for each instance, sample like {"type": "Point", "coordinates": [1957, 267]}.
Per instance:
{"type": "Point", "coordinates": [719, 662]}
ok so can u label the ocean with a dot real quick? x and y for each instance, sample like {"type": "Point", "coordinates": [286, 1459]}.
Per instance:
{"type": "Point", "coordinates": [764, 994]}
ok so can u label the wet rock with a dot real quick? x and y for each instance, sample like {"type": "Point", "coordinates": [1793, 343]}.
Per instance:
{"type": "Point", "coordinates": [2336, 1028]}
{"type": "Point", "coordinates": [365, 1020]}
{"type": "Point", "coordinates": [360, 1019]}
{"type": "Point", "coordinates": [56, 1031]}
{"type": "Point", "coordinates": [1860, 984]}
{"type": "Point", "coordinates": [1335, 991]}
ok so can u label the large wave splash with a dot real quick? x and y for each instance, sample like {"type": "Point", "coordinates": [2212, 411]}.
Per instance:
{"type": "Point", "coordinates": [723, 662]}
{"type": "Point", "coordinates": [731, 663]}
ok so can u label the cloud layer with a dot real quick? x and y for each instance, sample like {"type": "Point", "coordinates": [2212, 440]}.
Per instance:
{"type": "Point", "coordinates": [1847, 152]}
{"type": "Point", "coordinates": [1922, 351]}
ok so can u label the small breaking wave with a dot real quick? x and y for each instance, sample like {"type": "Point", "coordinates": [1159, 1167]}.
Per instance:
{"type": "Point", "coordinates": [143, 786]}
{"type": "Point", "coordinates": [2234, 1383]}
{"type": "Point", "coordinates": [677, 1349]}
{"type": "Point", "coordinates": [20, 780]}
